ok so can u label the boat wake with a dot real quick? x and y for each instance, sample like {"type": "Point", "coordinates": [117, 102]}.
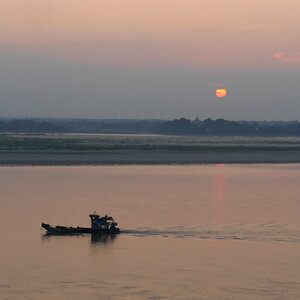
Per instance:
{"type": "Point", "coordinates": [282, 232]}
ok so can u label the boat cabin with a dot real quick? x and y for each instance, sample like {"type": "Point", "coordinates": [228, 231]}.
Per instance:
{"type": "Point", "coordinates": [98, 222]}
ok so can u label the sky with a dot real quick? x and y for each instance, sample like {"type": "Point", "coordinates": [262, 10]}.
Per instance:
{"type": "Point", "coordinates": [159, 59]}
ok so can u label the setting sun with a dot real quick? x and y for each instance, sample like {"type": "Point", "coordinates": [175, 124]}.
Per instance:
{"type": "Point", "coordinates": [221, 93]}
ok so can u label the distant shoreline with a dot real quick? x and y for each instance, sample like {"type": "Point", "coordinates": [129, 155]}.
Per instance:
{"type": "Point", "coordinates": [144, 157]}
{"type": "Point", "coordinates": [181, 126]}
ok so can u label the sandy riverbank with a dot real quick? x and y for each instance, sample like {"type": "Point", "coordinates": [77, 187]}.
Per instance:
{"type": "Point", "coordinates": [122, 157]}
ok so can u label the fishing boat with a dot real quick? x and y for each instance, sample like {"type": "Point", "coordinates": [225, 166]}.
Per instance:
{"type": "Point", "coordinates": [99, 225]}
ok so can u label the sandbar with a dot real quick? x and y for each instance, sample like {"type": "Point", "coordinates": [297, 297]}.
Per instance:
{"type": "Point", "coordinates": [147, 157]}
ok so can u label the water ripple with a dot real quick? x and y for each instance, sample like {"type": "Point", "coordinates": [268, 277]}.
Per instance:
{"type": "Point", "coordinates": [280, 232]}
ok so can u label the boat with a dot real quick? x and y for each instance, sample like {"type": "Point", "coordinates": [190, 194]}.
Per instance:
{"type": "Point", "coordinates": [99, 225]}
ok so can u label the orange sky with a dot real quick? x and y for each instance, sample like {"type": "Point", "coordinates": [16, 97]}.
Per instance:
{"type": "Point", "coordinates": [150, 58]}
{"type": "Point", "coordinates": [210, 34]}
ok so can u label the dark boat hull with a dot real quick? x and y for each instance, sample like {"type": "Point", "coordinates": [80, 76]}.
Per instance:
{"type": "Point", "coordinates": [63, 230]}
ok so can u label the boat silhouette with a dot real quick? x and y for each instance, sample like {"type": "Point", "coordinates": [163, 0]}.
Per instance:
{"type": "Point", "coordinates": [99, 225]}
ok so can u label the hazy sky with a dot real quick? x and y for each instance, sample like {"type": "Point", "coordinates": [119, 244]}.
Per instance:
{"type": "Point", "coordinates": [150, 58]}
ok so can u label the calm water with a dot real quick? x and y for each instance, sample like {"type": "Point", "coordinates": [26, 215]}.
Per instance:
{"type": "Point", "coordinates": [189, 232]}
